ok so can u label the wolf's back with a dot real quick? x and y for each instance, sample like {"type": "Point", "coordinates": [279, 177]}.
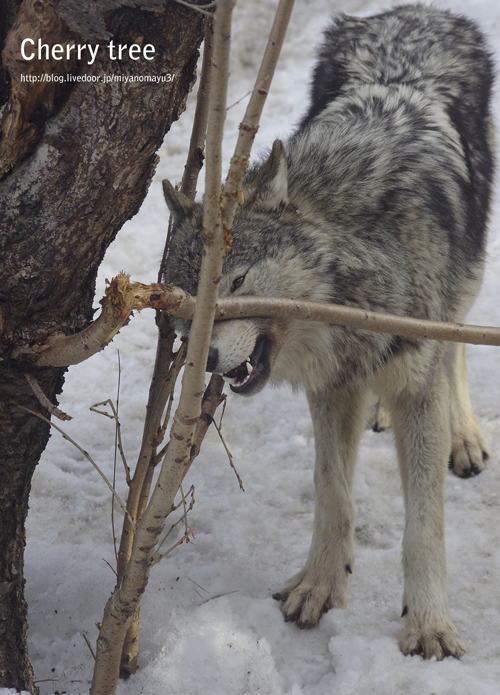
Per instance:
{"type": "Point", "coordinates": [426, 51]}
{"type": "Point", "coordinates": [432, 50]}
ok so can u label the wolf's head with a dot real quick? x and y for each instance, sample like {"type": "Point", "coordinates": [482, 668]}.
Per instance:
{"type": "Point", "coordinates": [271, 255]}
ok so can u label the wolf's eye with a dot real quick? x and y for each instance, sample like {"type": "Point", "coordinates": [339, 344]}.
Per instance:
{"type": "Point", "coordinates": [237, 282]}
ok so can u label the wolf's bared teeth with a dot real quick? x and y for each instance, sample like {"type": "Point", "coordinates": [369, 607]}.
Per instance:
{"type": "Point", "coordinates": [230, 380]}
{"type": "Point", "coordinates": [249, 367]}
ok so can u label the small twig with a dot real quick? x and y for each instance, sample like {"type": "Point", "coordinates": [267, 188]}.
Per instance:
{"type": "Point", "coordinates": [198, 585]}
{"type": "Point", "coordinates": [177, 364]}
{"type": "Point", "coordinates": [186, 528]}
{"type": "Point", "coordinates": [44, 401]}
{"type": "Point", "coordinates": [85, 453]}
{"type": "Point", "coordinates": [118, 436]}
{"type": "Point", "coordinates": [194, 161]}
{"type": "Point", "coordinates": [179, 542]}
{"type": "Point", "coordinates": [110, 565]}
{"type": "Point", "coordinates": [231, 462]}
{"type": "Point", "coordinates": [251, 91]}
{"type": "Point", "coordinates": [223, 411]}
{"type": "Point", "coordinates": [197, 7]}
{"type": "Point", "coordinates": [88, 644]}
{"type": "Point", "coordinates": [197, 142]}
{"type": "Point", "coordinates": [118, 443]}
{"type": "Point", "coordinates": [183, 517]}
{"type": "Point", "coordinates": [219, 596]}
{"type": "Point", "coordinates": [168, 533]}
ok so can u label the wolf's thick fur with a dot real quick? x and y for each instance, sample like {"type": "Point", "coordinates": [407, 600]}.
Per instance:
{"type": "Point", "coordinates": [379, 200]}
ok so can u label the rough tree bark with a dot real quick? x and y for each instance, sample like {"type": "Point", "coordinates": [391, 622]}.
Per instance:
{"type": "Point", "coordinates": [77, 160]}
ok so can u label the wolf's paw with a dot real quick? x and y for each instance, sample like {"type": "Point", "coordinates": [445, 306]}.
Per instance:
{"type": "Point", "coordinates": [304, 600]}
{"type": "Point", "coordinates": [439, 641]}
{"type": "Point", "coordinates": [468, 454]}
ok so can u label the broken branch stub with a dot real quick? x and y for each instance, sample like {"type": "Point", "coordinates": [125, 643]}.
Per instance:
{"type": "Point", "coordinates": [122, 298]}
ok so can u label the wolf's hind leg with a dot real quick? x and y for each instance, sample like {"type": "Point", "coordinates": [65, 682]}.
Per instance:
{"type": "Point", "coordinates": [468, 450]}
{"type": "Point", "coordinates": [421, 427]}
{"type": "Point", "coordinates": [338, 421]}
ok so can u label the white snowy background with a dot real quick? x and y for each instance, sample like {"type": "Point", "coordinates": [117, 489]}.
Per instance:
{"type": "Point", "coordinates": [194, 641]}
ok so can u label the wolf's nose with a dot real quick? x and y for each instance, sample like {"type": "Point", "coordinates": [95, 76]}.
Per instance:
{"type": "Point", "coordinates": [213, 357]}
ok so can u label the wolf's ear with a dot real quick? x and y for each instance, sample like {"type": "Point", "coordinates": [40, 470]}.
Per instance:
{"type": "Point", "coordinates": [270, 186]}
{"type": "Point", "coordinates": [179, 205]}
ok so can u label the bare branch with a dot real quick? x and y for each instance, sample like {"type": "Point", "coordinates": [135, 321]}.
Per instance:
{"type": "Point", "coordinates": [62, 350]}
{"type": "Point", "coordinates": [185, 537]}
{"type": "Point", "coordinates": [212, 398]}
{"type": "Point", "coordinates": [88, 644]}
{"type": "Point", "coordinates": [229, 455]}
{"type": "Point", "coordinates": [123, 604]}
{"type": "Point", "coordinates": [227, 593]}
{"type": "Point", "coordinates": [114, 417]}
{"type": "Point", "coordinates": [196, 152]}
{"type": "Point", "coordinates": [148, 459]}
{"type": "Point", "coordinates": [44, 401]}
{"type": "Point", "coordinates": [177, 364]}
{"type": "Point", "coordinates": [197, 143]}
{"type": "Point", "coordinates": [122, 298]}
{"type": "Point", "coordinates": [250, 123]}
{"type": "Point", "coordinates": [404, 326]}
{"type": "Point", "coordinates": [198, 8]}
{"type": "Point", "coordinates": [85, 453]}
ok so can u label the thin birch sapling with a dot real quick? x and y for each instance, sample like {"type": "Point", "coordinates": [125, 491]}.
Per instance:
{"type": "Point", "coordinates": [122, 605]}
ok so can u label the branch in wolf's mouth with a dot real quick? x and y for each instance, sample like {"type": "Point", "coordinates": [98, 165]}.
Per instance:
{"type": "Point", "coordinates": [66, 350]}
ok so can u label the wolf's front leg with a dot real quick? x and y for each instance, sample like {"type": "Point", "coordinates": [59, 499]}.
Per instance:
{"type": "Point", "coordinates": [338, 421]}
{"type": "Point", "coordinates": [422, 431]}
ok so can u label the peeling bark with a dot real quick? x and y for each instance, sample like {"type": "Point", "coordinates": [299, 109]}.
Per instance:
{"type": "Point", "coordinates": [77, 163]}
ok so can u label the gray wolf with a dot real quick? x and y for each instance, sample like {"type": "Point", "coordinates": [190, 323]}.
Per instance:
{"type": "Point", "coordinates": [378, 200]}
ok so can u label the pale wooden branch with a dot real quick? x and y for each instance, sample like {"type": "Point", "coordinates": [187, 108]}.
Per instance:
{"type": "Point", "coordinates": [196, 152]}
{"type": "Point", "coordinates": [212, 398]}
{"type": "Point", "coordinates": [153, 430]}
{"type": "Point", "coordinates": [161, 388]}
{"type": "Point", "coordinates": [123, 605]}
{"type": "Point", "coordinates": [122, 298]}
{"type": "Point", "coordinates": [404, 326]}
{"type": "Point", "coordinates": [124, 602]}
{"type": "Point", "coordinates": [250, 124]}
{"type": "Point", "coordinates": [63, 351]}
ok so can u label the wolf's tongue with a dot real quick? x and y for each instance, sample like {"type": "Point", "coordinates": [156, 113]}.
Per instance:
{"type": "Point", "coordinates": [240, 372]}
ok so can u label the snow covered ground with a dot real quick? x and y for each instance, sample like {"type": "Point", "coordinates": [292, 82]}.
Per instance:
{"type": "Point", "coordinates": [209, 625]}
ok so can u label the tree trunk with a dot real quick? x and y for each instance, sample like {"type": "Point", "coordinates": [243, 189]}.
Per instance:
{"type": "Point", "coordinates": [77, 159]}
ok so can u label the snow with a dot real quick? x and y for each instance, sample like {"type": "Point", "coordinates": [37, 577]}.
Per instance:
{"type": "Point", "coordinates": [208, 622]}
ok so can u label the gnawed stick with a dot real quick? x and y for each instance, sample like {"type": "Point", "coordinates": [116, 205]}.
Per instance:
{"type": "Point", "coordinates": [123, 297]}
